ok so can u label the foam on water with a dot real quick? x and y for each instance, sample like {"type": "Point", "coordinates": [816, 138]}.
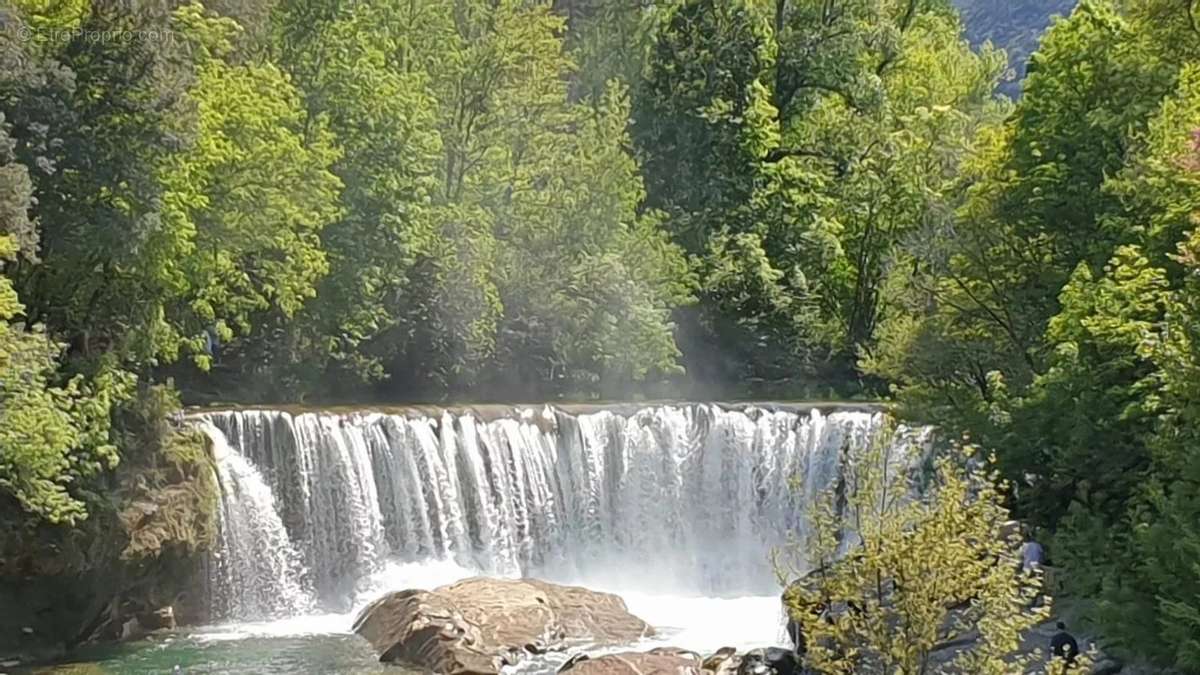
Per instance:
{"type": "Point", "coordinates": [294, 626]}
{"type": "Point", "coordinates": [692, 622]}
{"type": "Point", "coordinates": [391, 577]}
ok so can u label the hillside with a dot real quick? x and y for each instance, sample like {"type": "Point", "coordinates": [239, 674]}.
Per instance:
{"type": "Point", "coordinates": [1015, 25]}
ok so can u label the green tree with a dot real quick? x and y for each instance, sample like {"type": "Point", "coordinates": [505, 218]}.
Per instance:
{"type": "Point", "coordinates": [936, 94]}
{"type": "Point", "coordinates": [1166, 537]}
{"type": "Point", "coordinates": [793, 146]}
{"type": "Point", "coordinates": [1035, 206]}
{"type": "Point", "coordinates": [1145, 580]}
{"type": "Point", "coordinates": [365, 69]}
{"type": "Point", "coordinates": [609, 40]}
{"type": "Point", "coordinates": [469, 166]}
{"type": "Point", "coordinates": [100, 137]}
{"type": "Point", "coordinates": [53, 430]}
{"type": "Point", "coordinates": [602, 315]}
{"type": "Point", "coordinates": [901, 578]}
{"type": "Point", "coordinates": [1039, 322]}
{"type": "Point", "coordinates": [1091, 412]}
{"type": "Point", "coordinates": [249, 198]}
{"type": "Point", "coordinates": [52, 435]}
{"type": "Point", "coordinates": [531, 177]}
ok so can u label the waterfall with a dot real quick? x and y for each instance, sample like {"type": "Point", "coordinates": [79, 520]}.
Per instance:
{"type": "Point", "coordinates": [663, 497]}
{"type": "Point", "coordinates": [256, 572]}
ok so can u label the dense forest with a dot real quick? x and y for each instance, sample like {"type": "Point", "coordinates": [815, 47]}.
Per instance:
{"type": "Point", "coordinates": [305, 200]}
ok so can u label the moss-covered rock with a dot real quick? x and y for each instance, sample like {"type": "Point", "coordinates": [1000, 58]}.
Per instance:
{"type": "Point", "coordinates": [173, 506]}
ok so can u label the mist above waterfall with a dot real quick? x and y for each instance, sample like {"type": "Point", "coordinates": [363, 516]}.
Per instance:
{"type": "Point", "coordinates": [684, 499]}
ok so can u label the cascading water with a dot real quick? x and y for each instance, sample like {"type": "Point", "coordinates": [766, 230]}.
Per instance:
{"type": "Point", "coordinates": [667, 498]}
{"type": "Point", "coordinates": [256, 572]}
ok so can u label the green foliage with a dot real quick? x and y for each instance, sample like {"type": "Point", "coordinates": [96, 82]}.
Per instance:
{"type": "Point", "coordinates": [609, 40]}
{"type": "Point", "coordinates": [793, 147]}
{"type": "Point", "coordinates": [1150, 582]}
{"type": "Point", "coordinates": [51, 14]}
{"type": "Point", "coordinates": [604, 313]}
{"type": "Point", "coordinates": [1053, 322]}
{"type": "Point", "coordinates": [1093, 408]}
{"type": "Point", "coordinates": [1030, 216]}
{"type": "Point", "coordinates": [467, 166]}
{"type": "Point", "coordinates": [918, 575]}
{"type": "Point", "coordinates": [98, 130]}
{"type": "Point", "coordinates": [249, 199]}
{"type": "Point", "coordinates": [498, 198]}
{"type": "Point", "coordinates": [53, 429]}
{"type": "Point", "coordinates": [1158, 185]}
{"type": "Point", "coordinates": [51, 435]}
{"type": "Point", "coordinates": [359, 70]}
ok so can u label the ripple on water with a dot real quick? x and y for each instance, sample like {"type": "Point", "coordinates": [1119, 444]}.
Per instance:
{"type": "Point", "coordinates": [196, 654]}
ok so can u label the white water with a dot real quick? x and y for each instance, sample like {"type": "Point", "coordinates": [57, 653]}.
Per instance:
{"type": "Point", "coordinates": [257, 569]}
{"type": "Point", "coordinates": [676, 508]}
{"type": "Point", "coordinates": [693, 622]}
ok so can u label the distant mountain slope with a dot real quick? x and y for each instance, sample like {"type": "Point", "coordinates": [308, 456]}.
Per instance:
{"type": "Point", "coordinates": [1015, 25]}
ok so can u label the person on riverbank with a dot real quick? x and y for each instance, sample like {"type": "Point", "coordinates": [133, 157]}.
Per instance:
{"type": "Point", "coordinates": [1063, 645]}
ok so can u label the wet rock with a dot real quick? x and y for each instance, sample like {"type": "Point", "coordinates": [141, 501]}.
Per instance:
{"type": "Point", "coordinates": [782, 661]}
{"type": "Point", "coordinates": [656, 662]}
{"type": "Point", "coordinates": [477, 626]}
{"type": "Point", "coordinates": [722, 653]}
{"type": "Point", "coordinates": [725, 661]}
{"type": "Point", "coordinates": [769, 661]}
{"type": "Point", "coordinates": [162, 618]}
{"type": "Point", "coordinates": [676, 651]}
{"type": "Point", "coordinates": [572, 662]}
{"type": "Point", "coordinates": [126, 620]}
{"type": "Point", "coordinates": [131, 629]}
{"type": "Point", "coordinates": [753, 664]}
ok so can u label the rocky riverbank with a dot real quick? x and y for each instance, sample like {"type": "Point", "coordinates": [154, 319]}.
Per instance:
{"type": "Point", "coordinates": [780, 661]}
{"type": "Point", "coordinates": [483, 626]}
{"type": "Point", "coordinates": [134, 566]}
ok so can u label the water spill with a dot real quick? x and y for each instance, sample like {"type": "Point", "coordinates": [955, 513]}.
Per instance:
{"type": "Point", "coordinates": [686, 499]}
{"type": "Point", "coordinates": [256, 572]}
{"type": "Point", "coordinates": [674, 507]}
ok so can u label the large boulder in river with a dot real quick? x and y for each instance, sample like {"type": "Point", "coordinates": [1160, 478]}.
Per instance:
{"type": "Point", "coordinates": [476, 626]}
